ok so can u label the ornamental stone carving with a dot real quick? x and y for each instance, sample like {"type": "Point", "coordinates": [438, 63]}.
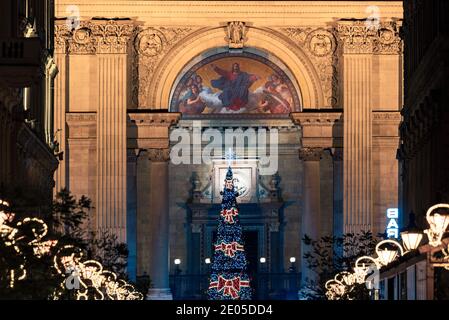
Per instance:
{"type": "Point", "coordinates": [112, 36]}
{"type": "Point", "coordinates": [357, 37]}
{"type": "Point", "coordinates": [149, 42]}
{"type": "Point", "coordinates": [82, 42]}
{"type": "Point", "coordinates": [62, 34]}
{"type": "Point", "coordinates": [159, 155]}
{"type": "Point", "coordinates": [151, 45]}
{"type": "Point", "coordinates": [236, 34]}
{"type": "Point", "coordinates": [93, 36]}
{"type": "Point", "coordinates": [388, 40]}
{"type": "Point", "coordinates": [321, 43]}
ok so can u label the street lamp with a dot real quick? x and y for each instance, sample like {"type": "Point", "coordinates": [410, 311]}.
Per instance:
{"type": "Point", "coordinates": [207, 261]}
{"type": "Point", "coordinates": [411, 236]}
{"type": "Point", "coordinates": [263, 260]}
{"type": "Point", "coordinates": [438, 222]}
{"type": "Point", "coordinates": [387, 255]}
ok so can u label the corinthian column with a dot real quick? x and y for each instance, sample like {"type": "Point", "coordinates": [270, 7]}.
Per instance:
{"type": "Point", "coordinates": [357, 44]}
{"type": "Point", "coordinates": [310, 221]}
{"type": "Point", "coordinates": [111, 48]}
{"type": "Point", "coordinates": [159, 220]}
{"type": "Point", "coordinates": [150, 131]}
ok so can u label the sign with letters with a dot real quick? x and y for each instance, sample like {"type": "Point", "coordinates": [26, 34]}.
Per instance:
{"type": "Point", "coordinates": [392, 223]}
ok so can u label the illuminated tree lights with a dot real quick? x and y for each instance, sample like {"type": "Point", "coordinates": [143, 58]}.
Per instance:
{"type": "Point", "coordinates": [81, 280]}
{"type": "Point", "coordinates": [229, 280]}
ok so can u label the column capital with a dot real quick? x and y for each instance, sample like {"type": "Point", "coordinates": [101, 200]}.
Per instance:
{"type": "Point", "coordinates": [159, 154]}
{"type": "Point", "coordinates": [310, 154]}
{"type": "Point", "coordinates": [369, 37]}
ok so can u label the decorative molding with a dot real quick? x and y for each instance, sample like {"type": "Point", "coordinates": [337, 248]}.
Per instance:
{"type": "Point", "coordinates": [62, 34]}
{"type": "Point", "coordinates": [310, 154]}
{"type": "Point", "coordinates": [388, 40]}
{"type": "Point", "coordinates": [82, 41]}
{"type": "Point", "coordinates": [150, 42]}
{"type": "Point", "coordinates": [316, 118]}
{"type": "Point", "coordinates": [236, 34]}
{"type": "Point", "coordinates": [387, 116]}
{"type": "Point", "coordinates": [358, 38]}
{"type": "Point", "coordinates": [81, 117]}
{"type": "Point", "coordinates": [163, 119]}
{"type": "Point", "coordinates": [320, 45]}
{"type": "Point", "coordinates": [151, 46]}
{"type": "Point", "coordinates": [112, 36]}
{"type": "Point", "coordinates": [159, 155]}
{"type": "Point", "coordinates": [94, 37]}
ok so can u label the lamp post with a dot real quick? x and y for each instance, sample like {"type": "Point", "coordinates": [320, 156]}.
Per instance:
{"type": "Point", "coordinates": [412, 235]}
{"type": "Point", "coordinates": [177, 262]}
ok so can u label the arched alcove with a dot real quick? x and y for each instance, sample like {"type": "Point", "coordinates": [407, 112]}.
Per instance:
{"type": "Point", "coordinates": [267, 44]}
{"type": "Point", "coordinates": [261, 86]}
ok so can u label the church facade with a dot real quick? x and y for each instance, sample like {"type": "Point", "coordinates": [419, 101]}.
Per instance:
{"type": "Point", "coordinates": [143, 85]}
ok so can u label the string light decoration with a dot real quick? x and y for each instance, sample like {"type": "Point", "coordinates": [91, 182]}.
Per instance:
{"type": "Point", "coordinates": [229, 280]}
{"type": "Point", "coordinates": [88, 279]}
{"type": "Point", "coordinates": [438, 219]}
{"type": "Point", "coordinates": [389, 250]}
{"type": "Point", "coordinates": [27, 233]}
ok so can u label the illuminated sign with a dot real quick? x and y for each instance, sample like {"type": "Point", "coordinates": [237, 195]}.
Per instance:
{"type": "Point", "coordinates": [392, 226]}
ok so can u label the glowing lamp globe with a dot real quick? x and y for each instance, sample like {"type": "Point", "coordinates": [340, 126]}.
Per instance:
{"type": "Point", "coordinates": [439, 222]}
{"type": "Point", "coordinates": [386, 256]}
{"type": "Point", "coordinates": [411, 239]}
{"type": "Point", "coordinates": [411, 236]}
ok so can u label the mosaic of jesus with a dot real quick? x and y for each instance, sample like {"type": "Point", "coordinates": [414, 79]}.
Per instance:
{"type": "Point", "coordinates": [234, 85]}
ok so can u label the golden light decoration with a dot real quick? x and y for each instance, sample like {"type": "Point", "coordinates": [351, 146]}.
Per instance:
{"type": "Point", "coordinates": [362, 269]}
{"type": "Point", "coordinates": [90, 280]}
{"type": "Point", "coordinates": [386, 256]}
{"type": "Point", "coordinates": [17, 237]}
{"type": "Point", "coordinates": [438, 223]}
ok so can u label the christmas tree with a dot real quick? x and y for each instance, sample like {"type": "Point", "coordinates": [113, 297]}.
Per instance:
{"type": "Point", "coordinates": [229, 280]}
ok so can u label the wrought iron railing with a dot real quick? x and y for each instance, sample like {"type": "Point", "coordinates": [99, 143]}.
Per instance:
{"type": "Point", "coordinates": [267, 286]}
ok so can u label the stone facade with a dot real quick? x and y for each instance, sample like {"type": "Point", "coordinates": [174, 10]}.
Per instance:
{"type": "Point", "coordinates": [337, 168]}
{"type": "Point", "coordinates": [27, 70]}
{"type": "Point", "coordinates": [423, 150]}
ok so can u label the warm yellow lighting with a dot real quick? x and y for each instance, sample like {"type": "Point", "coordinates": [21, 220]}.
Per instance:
{"type": "Point", "coordinates": [386, 256]}
{"type": "Point", "coordinates": [411, 240]}
{"type": "Point", "coordinates": [438, 223]}
{"type": "Point", "coordinates": [91, 281]}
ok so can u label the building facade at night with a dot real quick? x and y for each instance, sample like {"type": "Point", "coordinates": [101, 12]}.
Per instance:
{"type": "Point", "coordinates": [423, 150]}
{"type": "Point", "coordinates": [135, 75]}
{"type": "Point", "coordinates": [27, 160]}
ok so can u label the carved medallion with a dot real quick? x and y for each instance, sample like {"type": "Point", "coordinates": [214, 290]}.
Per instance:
{"type": "Point", "coordinates": [321, 43]}
{"type": "Point", "coordinates": [150, 42]}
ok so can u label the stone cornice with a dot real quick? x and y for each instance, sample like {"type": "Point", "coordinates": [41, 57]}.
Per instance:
{"type": "Point", "coordinates": [161, 119]}
{"type": "Point", "coordinates": [150, 130]}
{"type": "Point", "coordinates": [203, 12]}
{"type": "Point", "coordinates": [320, 129]}
{"type": "Point", "coordinates": [317, 118]}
